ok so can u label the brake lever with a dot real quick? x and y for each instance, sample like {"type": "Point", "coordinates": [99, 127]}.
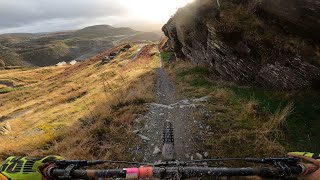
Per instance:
{"type": "Point", "coordinates": [282, 163]}
{"type": "Point", "coordinates": [286, 172]}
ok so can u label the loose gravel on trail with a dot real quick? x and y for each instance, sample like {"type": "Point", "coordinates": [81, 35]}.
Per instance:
{"type": "Point", "coordinates": [167, 107]}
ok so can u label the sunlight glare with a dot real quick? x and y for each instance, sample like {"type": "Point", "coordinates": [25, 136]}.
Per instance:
{"type": "Point", "coordinates": [157, 11]}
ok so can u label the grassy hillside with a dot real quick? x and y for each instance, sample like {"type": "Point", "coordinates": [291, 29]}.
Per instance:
{"type": "Point", "coordinates": [49, 49]}
{"type": "Point", "coordinates": [47, 55]}
{"type": "Point", "coordinates": [83, 111]}
{"type": "Point", "coordinates": [14, 38]}
{"type": "Point", "coordinates": [247, 121]}
{"type": "Point", "coordinates": [11, 58]}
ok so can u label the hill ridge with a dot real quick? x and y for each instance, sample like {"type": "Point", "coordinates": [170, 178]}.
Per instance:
{"type": "Point", "coordinates": [52, 48]}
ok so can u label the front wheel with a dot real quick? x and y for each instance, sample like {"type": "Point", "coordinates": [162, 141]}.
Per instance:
{"type": "Point", "coordinates": [168, 142]}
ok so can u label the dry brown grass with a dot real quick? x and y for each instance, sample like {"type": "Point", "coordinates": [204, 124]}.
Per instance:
{"type": "Point", "coordinates": [241, 130]}
{"type": "Point", "coordinates": [250, 108]}
{"type": "Point", "coordinates": [71, 109]}
{"type": "Point", "coordinates": [277, 121]}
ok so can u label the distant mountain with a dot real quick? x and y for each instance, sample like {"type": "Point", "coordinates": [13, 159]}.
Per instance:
{"type": "Point", "coordinates": [103, 30]}
{"type": "Point", "coordinates": [15, 37]}
{"type": "Point", "coordinates": [43, 49]}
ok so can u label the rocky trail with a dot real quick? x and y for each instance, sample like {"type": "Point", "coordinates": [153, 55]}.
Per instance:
{"type": "Point", "coordinates": [179, 112]}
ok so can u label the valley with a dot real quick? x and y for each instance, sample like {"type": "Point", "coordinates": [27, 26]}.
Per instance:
{"type": "Point", "coordinates": [51, 48]}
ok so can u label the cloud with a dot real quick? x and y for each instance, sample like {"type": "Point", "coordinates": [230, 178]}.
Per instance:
{"type": "Point", "coordinates": [34, 15]}
{"type": "Point", "coordinates": [58, 15]}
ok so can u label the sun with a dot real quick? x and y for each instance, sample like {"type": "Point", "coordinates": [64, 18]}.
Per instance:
{"type": "Point", "coordinates": [157, 11]}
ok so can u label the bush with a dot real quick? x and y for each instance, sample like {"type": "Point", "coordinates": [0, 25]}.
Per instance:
{"type": "Point", "coordinates": [6, 90]}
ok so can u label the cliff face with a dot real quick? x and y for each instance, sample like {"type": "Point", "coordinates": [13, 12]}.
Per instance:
{"type": "Point", "coordinates": [300, 16]}
{"type": "Point", "coordinates": [235, 42]}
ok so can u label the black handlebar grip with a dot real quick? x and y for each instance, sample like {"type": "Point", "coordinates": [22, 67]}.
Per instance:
{"type": "Point", "coordinates": [89, 174]}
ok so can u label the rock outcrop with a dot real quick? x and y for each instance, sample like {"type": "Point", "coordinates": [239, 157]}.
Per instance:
{"type": "Point", "coordinates": [192, 34]}
{"type": "Point", "coordinates": [299, 16]}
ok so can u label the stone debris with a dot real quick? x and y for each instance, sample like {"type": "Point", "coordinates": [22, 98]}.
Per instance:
{"type": "Point", "coordinates": [156, 150]}
{"type": "Point", "coordinates": [144, 137]}
{"type": "Point", "coordinates": [208, 128]}
{"type": "Point", "coordinates": [203, 99]}
{"type": "Point", "coordinates": [206, 154]}
{"type": "Point", "coordinates": [161, 106]}
{"type": "Point", "coordinates": [182, 104]}
{"type": "Point", "coordinates": [188, 106]}
{"type": "Point", "coordinates": [199, 156]}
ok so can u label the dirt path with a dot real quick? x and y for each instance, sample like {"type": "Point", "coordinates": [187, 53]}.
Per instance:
{"type": "Point", "coordinates": [168, 108]}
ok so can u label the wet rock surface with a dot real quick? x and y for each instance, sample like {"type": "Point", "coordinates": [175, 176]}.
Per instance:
{"type": "Point", "coordinates": [192, 34]}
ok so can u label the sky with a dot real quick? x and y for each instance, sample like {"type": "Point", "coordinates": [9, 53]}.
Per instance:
{"type": "Point", "coordinates": [32, 16]}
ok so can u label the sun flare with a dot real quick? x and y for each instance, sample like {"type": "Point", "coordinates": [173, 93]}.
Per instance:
{"type": "Point", "coordinates": [157, 11]}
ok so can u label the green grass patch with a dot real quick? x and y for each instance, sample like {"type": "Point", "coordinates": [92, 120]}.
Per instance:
{"type": "Point", "coordinates": [269, 101]}
{"type": "Point", "coordinates": [6, 90]}
{"type": "Point", "coordinates": [194, 71]}
{"type": "Point", "coordinates": [196, 77]}
{"type": "Point", "coordinates": [166, 55]}
{"type": "Point", "coordinates": [302, 129]}
{"type": "Point", "coordinates": [200, 82]}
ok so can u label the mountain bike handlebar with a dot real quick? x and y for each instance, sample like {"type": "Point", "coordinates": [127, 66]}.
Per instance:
{"type": "Point", "coordinates": [283, 167]}
{"type": "Point", "coordinates": [184, 172]}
